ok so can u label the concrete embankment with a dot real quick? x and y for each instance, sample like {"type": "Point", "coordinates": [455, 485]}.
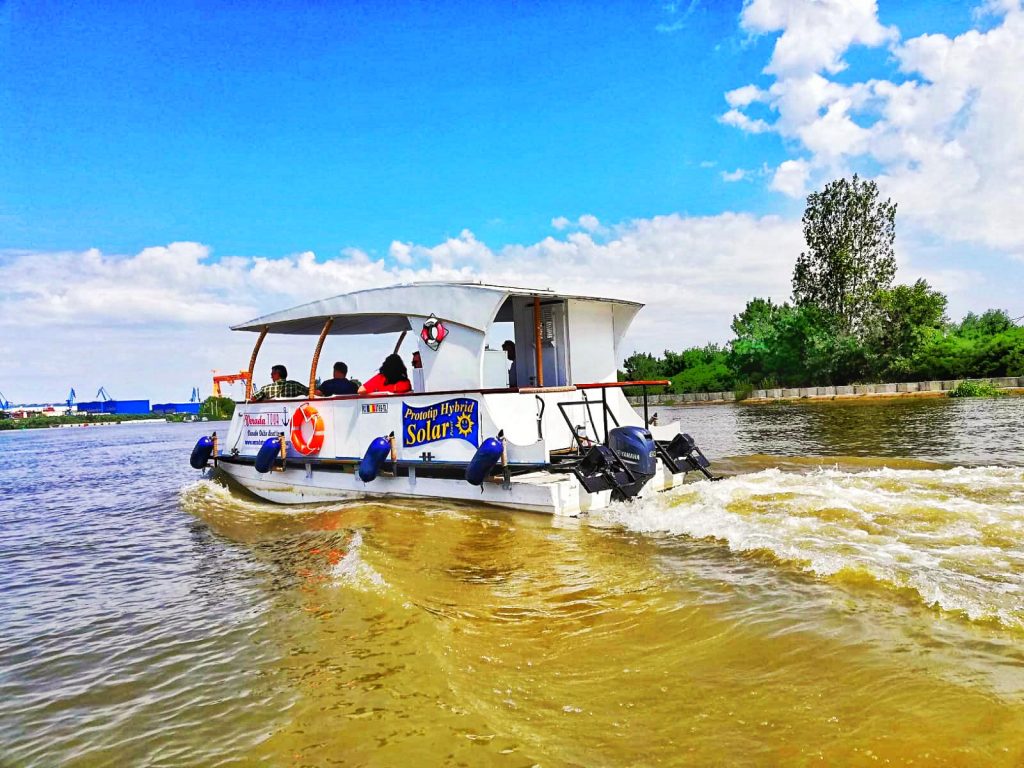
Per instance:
{"type": "Point", "coordinates": [850, 392]}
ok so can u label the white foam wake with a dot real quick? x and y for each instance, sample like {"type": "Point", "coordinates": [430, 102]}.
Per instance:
{"type": "Point", "coordinates": [954, 536]}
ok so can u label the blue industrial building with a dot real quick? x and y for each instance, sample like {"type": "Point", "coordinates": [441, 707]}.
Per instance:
{"type": "Point", "coordinates": [120, 407]}
{"type": "Point", "coordinates": [165, 408]}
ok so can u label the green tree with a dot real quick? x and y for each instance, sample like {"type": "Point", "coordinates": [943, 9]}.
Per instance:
{"type": "Point", "coordinates": [642, 366]}
{"type": "Point", "coordinates": [943, 356]}
{"type": "Point", "coordinates": [217, 408]}
{"type": "Point", "coordinates": [714, 376]}
{"type": "Point", "coordinates": [779, 344]}
{"type": "Point", "coordinates": [772, 341]}
{"type": "Point", "coordinates": [1000, 354]}
{"type": "Point", "coordinates": [849, 258]}
{"type": "Point", "coordinates": [756, 319]}
{"type": "Point", "coordinates": [989, 323]}
{"type": "Point", "coordinates": [907, 317]}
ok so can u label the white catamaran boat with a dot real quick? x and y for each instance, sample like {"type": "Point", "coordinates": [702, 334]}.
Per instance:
{"type": "Point", "coordinates": [565, 441]}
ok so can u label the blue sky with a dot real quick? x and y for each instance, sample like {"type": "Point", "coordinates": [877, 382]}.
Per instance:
{"type": "Point", "coordinates": [267, 130]}
{"type": "Point", "coordinates": [301, 126]}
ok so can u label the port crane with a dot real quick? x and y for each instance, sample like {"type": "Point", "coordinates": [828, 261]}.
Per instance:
{"type": "Point", "coordinates": [72, 399]}
{"type": "Point", "coordinates": [5, 404]}
{"type": "Point", "coordinates": [228, 378]}
{"type": "Point", "coordinates": [102, 394]}
{"type": "Point", "coordinates": [195, 395]}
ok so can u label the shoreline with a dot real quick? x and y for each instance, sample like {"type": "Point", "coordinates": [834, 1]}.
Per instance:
{"type": "Point", "coordinates": [79, 425]}
{"type": "Point", "coordinates": [873, 398]}
{"type": "Point", "coordinates": [1009, 385]}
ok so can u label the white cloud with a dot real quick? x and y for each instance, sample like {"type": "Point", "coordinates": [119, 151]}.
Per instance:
{"type": "Point", "coordinates": [401, 252]}
{"type": "Point", "coordinates": [790, 178]}
{"type": "Point", "coordinates": [738, 175]}
{"type": "Point", "coordinates": [677, 20]}
{"type": "Point", "coordinates": [739, 120]}
{"type": "Point", "coordinates": [587, 222]}
{"type": "Point", "coordinates": [154, 324]}
{"type": "Point", "coordinates": [815, 35]}
{"type": "Point", "coordinates": [746, 95]}
{"type": "Point", "coordinates": [947, 136]}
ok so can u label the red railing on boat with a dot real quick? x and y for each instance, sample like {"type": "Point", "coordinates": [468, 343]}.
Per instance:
{"type": "Point", "coordinates": [491, 391]}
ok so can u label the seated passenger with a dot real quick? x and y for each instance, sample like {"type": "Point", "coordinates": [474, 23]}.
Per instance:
{"type": "Point", "coordinates": [340, 384]}
{"type": "Point", "coordinates": [392, 379]}
{"type": "Point", "coordinates": [280, 386]}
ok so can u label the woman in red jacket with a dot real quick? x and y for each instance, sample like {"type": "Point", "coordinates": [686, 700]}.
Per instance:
{"type": "Point", "coordinates": [393, 379]}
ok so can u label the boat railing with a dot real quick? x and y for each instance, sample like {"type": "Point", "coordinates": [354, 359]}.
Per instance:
{"type": "Point", "coordinates": [605, 386]}
{"type": "Point", "coordinates": [606, 410]}
{"type": "Point", "coordinates": [602, 385]}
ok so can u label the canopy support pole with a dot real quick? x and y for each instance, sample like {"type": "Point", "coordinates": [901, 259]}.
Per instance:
{"type": "Point", "coordinates": [252, 362]}
{"type": "Point", "coordinates": [536, 341]}
{"type": "Point", "coordinates": [400, 340]}
{"type": "Point", "coordinates": [316, 356]}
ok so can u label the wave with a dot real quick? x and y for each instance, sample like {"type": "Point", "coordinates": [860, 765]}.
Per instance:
{"type": "Point", "coordinates": [955, 537]}
{"type": "Point", "coordinates": [330, 545]}
{"type": "Point", "coordinates": [351, 570]}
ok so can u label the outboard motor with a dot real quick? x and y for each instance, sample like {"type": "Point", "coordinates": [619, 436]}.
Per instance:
{"type": "Point", "coordinates": [623, 466]}
{"type": "Point", "coordinates": [636, 450]}
{"type": "Point", "coordinates": [683, 455]}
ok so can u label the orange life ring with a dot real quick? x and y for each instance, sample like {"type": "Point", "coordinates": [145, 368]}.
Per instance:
{"type": "Point", "coordinates": [307, 414]}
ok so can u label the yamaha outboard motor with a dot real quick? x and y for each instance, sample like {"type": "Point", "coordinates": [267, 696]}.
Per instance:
{"type": "Point", "coordinates": [635, 448]}
{"type": "Point", "coordinates": [623, 466]}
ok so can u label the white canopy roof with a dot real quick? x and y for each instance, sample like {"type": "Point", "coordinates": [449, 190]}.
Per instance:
{"type": "Point", "coordinates": [387, 310]}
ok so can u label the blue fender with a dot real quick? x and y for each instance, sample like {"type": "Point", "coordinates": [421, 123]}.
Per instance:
{"type": "Point", "coordinates": [201, 453]}
{"type": "Point", "coordinates": [484, 460]}
{"type": "Point", "coordinates": [268, 454]}
{"type": "Point", "coordinates": [376, 454]}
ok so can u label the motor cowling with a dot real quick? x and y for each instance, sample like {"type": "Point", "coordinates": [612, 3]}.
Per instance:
{"type": "Point", "coordinates": [636, 449]}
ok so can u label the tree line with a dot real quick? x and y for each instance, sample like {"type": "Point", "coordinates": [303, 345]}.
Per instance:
{"type": "Point", "coordinates": [846, 322]}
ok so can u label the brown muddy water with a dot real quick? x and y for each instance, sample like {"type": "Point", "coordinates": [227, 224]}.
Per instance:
{"type": "Point", "coordinates": [851, 594]}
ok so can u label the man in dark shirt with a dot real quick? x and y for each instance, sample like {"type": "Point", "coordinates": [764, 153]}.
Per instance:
{"type": "Point", "coordinates": [510, 352]}
{"type": "Point", "coordinates": [340, 384]}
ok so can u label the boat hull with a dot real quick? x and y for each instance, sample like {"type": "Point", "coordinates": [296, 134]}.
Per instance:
{"type": "Point", "coordinates": [541, 492]}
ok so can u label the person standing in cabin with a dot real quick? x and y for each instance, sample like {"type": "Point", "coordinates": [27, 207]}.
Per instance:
{"type": "Point", "coordinates": [340, 384]}
{"type": "Point", "coordinates": [510, 351]}
{"type": "Point", "coordinates": [280, 386]}
{"type": "Point", "coordinates": [417, 373]}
